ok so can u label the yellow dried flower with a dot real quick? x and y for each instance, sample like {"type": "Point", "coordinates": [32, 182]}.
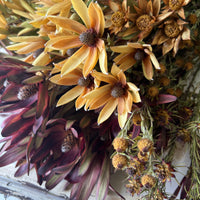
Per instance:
{"type": "Point", "coordinates": [188, 66]}
{"type": "Point", "coordinates": [137, 119]}
{"type": "Point", "coordinates": [192, 18]}
{"type": "Point", "coordinates": [119, 161]}
{"type": "Point", "coordinates": [145, 145]}
{"type": "Point", "coordinates": [164, 81]}
{"type": "Point", "coordinates": [162, 69]}
{"type": "Point", "coordinates": [120, 144]}
{"type": "Point", "coordinates": [148, 181]}
{"type": "Point", "coordinates": [143, 157]}
{"type": "Point", "coordinates": [153, 91]}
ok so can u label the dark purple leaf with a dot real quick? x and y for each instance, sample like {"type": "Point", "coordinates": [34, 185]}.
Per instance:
{"type": "Point", "coordinates": [43, 99]}
{"type": "Point", "coordinates": [136, 131]}
{"type": "Point", "coordinates": [166, 98]}
{"type": "Point", "coordinates": [103, 181]}
{"type": "Point", "coordinates": [22, 170]}
{"type": "Point", "coordinates": [12, 155]}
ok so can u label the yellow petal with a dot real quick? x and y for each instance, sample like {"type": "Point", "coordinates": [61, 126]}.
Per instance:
{"type": "Point", "coordinates": [94, 17]}
{"type": "Point", "coordinates": [97, 93]}
{"type": "Point", "coordinates": [104, 77]}
{"type": "Point", "coordinates": [115, 70]}
{"type": "Point", "coordinates": [122, 119]}
{"type": "Point", "coordinates": [82, 10]}
{"type": "Point", "coordinates": [132, 87]}
{"type": "Point", "coordinates": [168, 45]}
{"type": "Point", "coordinates": [136, 97]}
{"type": "Point", "coordinates": [122, 49]}
{"type": "Point", "coordinates": [26, 39]}
{"type": "Point", "coordinates": [122, 78]}
{"type": "Point", "coordinates": [42, 60]}
{"type": "Point", "coordinates": [75, 60]}
{"type": "Point", "coordinates": [107, 111]}
{"type": "Point", "coordinates": [153, 59]}
{"type": "Point", "coordinates": [129, 102]}
{"type": "Point", "coordinates": [156, 7]}
{"type": "Point", "coordinates": [90, 61]}
{"type": "Point", "coordinates": [15, 47]}
{"type": "Point", "coordinates": [64, 42]}
{"type": "Point", "coordinates": [128, 62]}
{"type": "Point", "coordinates": [98, 102]}
{"type": "Point", "coordinates": [103, 60]}
{"type": "Point", "coordinates": [68, 24]}
{"type": "Point", "coordinates": [80, 101]}
{"type": "Point", "coordinates": [121, 105]}
{"type": "Point", "coordinates": [147, 68]}
{"type": "Point", "coordinates": [186, 34]}
{"type": "Point", "coordinates": [70, 95]}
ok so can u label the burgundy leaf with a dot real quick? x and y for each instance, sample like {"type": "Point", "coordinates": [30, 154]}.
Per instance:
{"type": "Point", "coordinates": [136, 131]}
{"type": "Point", "coordinates": [103, 181]}
{"type": "Point", "coordinates": [83, 189]}
{"type": "Point", "coordinates": [43, 99]}
{"type": "Point", "coordinates": [166, 98]}
{"type": "Point", "coordinates": [12, 155]}
{"type": "Point", "coordinates": [22, 170]}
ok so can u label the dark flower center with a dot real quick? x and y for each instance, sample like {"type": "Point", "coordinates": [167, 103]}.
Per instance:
{"type": "Point", "coordinates": [144, 23]}
{"type": "Point", "coordinates": [89, 37]}
{"type": "Point", "coordinates": [175, 4]}
{"type": "Point", "coordinates": [85, 82]}
{"type": "Point", "coordinates": [171, 30]}
{"type": "Point", "coordinates": [117, 90]}
{"type": "Point", "coordinates": [139, 55]}
{"type": "Point", "coordinates": [118, 19]}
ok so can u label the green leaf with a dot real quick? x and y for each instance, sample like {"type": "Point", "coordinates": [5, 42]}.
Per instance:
{"type": "Point", "coordinates": [33, 80]}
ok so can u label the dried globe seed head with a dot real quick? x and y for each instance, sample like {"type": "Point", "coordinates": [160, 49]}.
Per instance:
{"type": "Point", "coordinates": [120, 144]}
{"type": "Point", "coordinates": [143, 157]}
{"type": "Point", "coordinates": [145, 145]}
{"type": "Point", "coordinates": [175, 4]}
{"type": "Point", "coordinates": [27, 91]}
{"type": "Point", "coordinates": [153, 91]}
{"type": "Point", "coordinates": [89, 37]}
{"type": "Point", "coordinates": [117, 19]}
{"type": "Point", "coordinates": [137, 119]}
{"type": "Point", "coordinates": [171, 29]}
{"type": "Point", "coordinates": [144, 23]}
{"type": "Point", "coordinates": [148, 181]}
{"type": "Point", "coordinates": [119, 161]}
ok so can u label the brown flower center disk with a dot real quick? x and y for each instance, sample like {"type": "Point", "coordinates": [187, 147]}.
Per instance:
{"type": "Point", "coordinates": [139, 55]}
{"type": "Point", "coordinates": [171, 30]}
{"type": "Point", "coordinates": [144, 23]}
{"type": "Point", "coordinates": [117, 90]}
{"type": "Point", "coordinates": [85, 82]}
{"type": "Point", "coordinates": [89, 37]}
{"type": "Point", "coordinates": [175, 4]}
{"type": "Point", "coordinates": [118, 19]}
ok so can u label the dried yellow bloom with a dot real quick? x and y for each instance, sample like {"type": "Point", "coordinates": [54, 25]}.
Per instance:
{"type": "Point", "coordinates": [145, 145]}
{"type": "Point", "coordinates": [119, 161]}
{"type": "Point", "coordinates": [148, 181]}
{"type": "Point", "coordinates": [120, 144]}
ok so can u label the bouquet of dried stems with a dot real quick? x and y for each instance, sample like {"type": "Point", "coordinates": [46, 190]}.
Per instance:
{"type": "Point", "coordinates": [91, 86]}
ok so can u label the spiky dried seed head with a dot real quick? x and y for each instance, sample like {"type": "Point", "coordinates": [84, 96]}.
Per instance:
{"type": "Point", "coordinates": [144, 23]}
{"type": "Point", "coordinates": [119, 161]}
{"type": "Point", "coordinates": [145, 145]}
{"type": "Point", "coordinates": [120, 144]}
{"type": "Point", "coordinates": [148, 181]}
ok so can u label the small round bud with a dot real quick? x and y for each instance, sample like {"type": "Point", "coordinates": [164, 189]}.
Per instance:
{"type": "Point", "coordinates": [137, 119]}
{"type": "Point", "coordinates": [145, 145]}
{"type": "Point", "coordinates": [119, 161]}
{"type": "Point", "coordinates": [148, 181]}
{"type": "Point", "coordinates": [120, 144]}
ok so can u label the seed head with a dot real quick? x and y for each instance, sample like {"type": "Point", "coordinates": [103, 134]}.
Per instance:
{"type": "Point", "coordinates": [119, 161]}
{"type": "Point", "coordinates": [120, 144]}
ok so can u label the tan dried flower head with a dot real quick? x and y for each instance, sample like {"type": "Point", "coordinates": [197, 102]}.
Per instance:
{"type": "Point", "coordinates": [120, 144]}
{"type": "Point", "coordinates": [153, 91]}
{"type": "Point", "coordinates": [145, 145]}
{"type": "Point", "coordinates": [119, 161]}
{"type": "Point", "coordinates": [143, 157]}
{"type": "Point", "coordinates": [148, 181]}
{"type": "Point", "coordinates": [137, 119]}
